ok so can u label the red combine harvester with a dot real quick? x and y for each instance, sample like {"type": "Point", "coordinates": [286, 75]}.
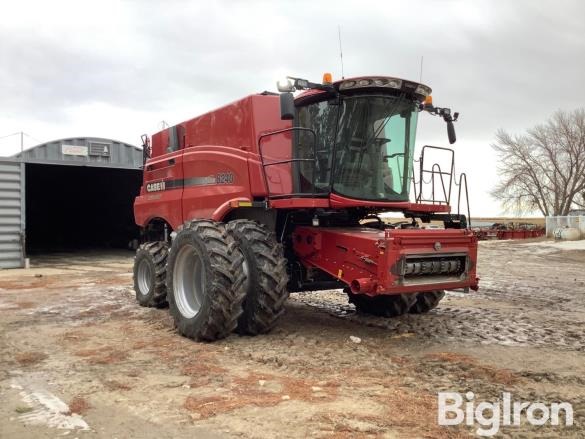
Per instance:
{"type": "Point", "coordinates": [275, 194]}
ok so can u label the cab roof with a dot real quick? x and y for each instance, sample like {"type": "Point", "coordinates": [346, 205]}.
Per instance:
{"type": "Point", "coordinates": [391, 84]}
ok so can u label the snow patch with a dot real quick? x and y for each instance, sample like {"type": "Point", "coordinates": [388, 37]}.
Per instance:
{"type": "Point", "coordinates": [47, 409]}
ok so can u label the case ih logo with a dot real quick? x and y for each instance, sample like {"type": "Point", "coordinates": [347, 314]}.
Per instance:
{"type": "Point", "coordinates": [155, 187]}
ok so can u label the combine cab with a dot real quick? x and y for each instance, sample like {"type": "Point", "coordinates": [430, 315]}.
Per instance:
{"type": "Point", "coordinates": [275, 193]}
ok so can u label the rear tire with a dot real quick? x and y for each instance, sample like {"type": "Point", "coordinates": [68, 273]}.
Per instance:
{"type": "Point", "coordinates": [150, 269]}
{"type": "Point", "coordinates": [426, 301]}
{"type": "Point", "coordinates": [267, 278]}
{"type": "Point", "coordinates": [205, 281]}
{"type": "Point", "coordinates": [382, 305]}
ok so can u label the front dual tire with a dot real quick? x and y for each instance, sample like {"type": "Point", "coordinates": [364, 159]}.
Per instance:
{"type": "Point", "coordinates": [205, 281]}
{"type": "Point", "coordinates": [222, 278]}
{"type": "Point", "coordinates": [266, 276]}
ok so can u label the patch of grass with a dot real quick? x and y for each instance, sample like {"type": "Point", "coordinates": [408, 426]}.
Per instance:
{"type": "Point", "coordinates": [21, 409]}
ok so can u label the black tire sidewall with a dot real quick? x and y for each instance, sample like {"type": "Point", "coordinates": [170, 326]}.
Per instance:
{"type": "Point", "coordinates": [189, 326]}
{"type": "Point", "coordinates": [144, 256]}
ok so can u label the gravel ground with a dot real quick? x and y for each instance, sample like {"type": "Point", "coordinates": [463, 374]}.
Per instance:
{"type": "Point", "coordinates": [79, 357]}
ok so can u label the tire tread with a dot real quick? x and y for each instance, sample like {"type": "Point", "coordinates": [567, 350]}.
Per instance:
{"type": "Point", "coordinates": [157, 252]}
{"type": "Point", "coordinates": [426, 301]}
{"type": "Point", "coordinates": [264, 302]}
{"type": "Point", "coordinates": [226, 293]}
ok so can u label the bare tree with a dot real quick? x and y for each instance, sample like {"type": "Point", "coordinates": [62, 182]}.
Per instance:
{"type": "Point", "coordinates": [543, 169]}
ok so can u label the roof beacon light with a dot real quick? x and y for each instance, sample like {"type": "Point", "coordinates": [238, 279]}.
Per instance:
{"type": "Point", "coordinates": [327, 78]}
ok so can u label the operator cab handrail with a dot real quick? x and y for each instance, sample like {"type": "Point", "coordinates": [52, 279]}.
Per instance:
{"type": "Point", "coordinates": [293, 160]}
{"type": "Point", "coordinates": [435, 171]}
{"type": "Point", "coordinates": [463, 179]}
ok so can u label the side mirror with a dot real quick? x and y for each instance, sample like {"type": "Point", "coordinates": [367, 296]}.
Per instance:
{"type": "Point", "coordinates": [445, 113]}
{"type": "Point", "coordinates": [451, 132]}
{"type": "Point", "coordinates": [287, 106]}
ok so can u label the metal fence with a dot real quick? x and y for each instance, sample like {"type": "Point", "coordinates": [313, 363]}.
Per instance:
{"type": "Point", "coordinates": [556, 222]}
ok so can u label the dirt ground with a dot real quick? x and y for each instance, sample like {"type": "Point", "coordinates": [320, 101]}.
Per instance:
{"type": "Point", "coordinates": [79, 357]}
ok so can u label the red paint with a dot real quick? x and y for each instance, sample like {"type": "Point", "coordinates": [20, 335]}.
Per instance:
{"type": "Point", "coordinates": [165, 204]}
{"type": "Point", "coordinates": [338, 201]}
{"type": "Point", "coordinates": [366, 257]}
{"type": "Point", "coordinates": [221, 141]}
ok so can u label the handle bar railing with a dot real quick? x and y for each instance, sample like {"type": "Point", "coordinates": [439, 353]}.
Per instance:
{"type": "Point", "coordinates": [445, 188]}
{"type": "Point", "coordinates": [286, 161]}
{"type": "Point", "coordinates": [435, 172]}
{"type": "Point", "coordinates": [463, 179]}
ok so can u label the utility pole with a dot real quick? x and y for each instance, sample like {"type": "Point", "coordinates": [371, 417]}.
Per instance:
{"type": "Point", "coordinates": [21, 142]}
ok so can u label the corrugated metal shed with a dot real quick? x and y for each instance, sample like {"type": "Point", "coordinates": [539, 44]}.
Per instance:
{"type": "Point", "coordinates": [11, 213]}
{"type": "Point", "coordinates": [15, 171]}
{"type": "Point", "coordinates": [85, 151]}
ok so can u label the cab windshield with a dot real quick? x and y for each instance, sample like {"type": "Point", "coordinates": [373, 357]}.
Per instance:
{"type": "Point", "coordinates": [364, 147]}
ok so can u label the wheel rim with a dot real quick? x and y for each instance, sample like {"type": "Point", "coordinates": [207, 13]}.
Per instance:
{"type": "Point", "coordinates": [144, 277]}
{"type": "Point", "coordinates": [188, 281]}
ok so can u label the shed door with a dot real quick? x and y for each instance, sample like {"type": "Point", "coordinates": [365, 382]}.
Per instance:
{"type": "Point", "coordinates": [11, 214]}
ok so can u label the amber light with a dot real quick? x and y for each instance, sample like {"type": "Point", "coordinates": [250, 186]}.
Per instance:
{"type": "Point", "coordinates": [429, 100]}
{"type": "Point", "coordinates": [327, 78]}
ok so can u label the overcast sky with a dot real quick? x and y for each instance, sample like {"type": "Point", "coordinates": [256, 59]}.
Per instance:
{"type": "Point", "coordinates": [117, 69]}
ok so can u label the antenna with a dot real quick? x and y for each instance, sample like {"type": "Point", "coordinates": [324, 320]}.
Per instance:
{"type": "Point", "coordinates": [421, 67]}
{"type": "Point", "coordinates": [340, 50]}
